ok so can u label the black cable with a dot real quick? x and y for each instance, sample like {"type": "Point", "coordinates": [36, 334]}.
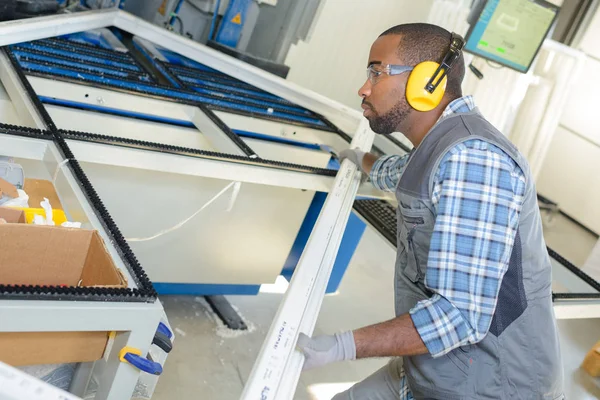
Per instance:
{"type": "Point", "coordinates": [180, 24]}
{"type": "Point", "coordinates": [476, 71]}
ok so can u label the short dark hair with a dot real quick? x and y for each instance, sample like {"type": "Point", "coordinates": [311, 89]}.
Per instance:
{"type": "Point", "coordinates": [425, 42]}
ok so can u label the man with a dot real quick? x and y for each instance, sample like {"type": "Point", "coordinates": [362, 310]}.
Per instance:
{"type": "Point", "coordinates": [474, 317]}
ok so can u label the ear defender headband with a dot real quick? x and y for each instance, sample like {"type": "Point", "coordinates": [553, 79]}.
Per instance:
{"type": "Point", "coordinates": [427, 82]}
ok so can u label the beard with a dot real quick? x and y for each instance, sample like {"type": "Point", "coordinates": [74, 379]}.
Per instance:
{"type": "Point", "coordinates": [391, 121]}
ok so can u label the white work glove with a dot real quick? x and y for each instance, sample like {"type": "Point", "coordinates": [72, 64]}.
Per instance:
{"type": "Point", "coordinates": [354, 155]}
{"type": "Point", "coordinates": [322, 350]}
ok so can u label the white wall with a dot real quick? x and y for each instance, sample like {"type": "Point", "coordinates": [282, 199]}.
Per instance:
{"type": "Point", "coordinates": [571, 172]}
{"type": "Point", "coordinates": [334, 59]}
{"type": "Point", "coordinates": [589, 42]}
{"type": "Point", "coordinates": [570, 177]}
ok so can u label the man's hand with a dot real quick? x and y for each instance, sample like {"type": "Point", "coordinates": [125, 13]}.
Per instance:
{"type": "Point", "coordinates": [364, 161]}
{"type": "Point", "coordinates": [354, 155]}
{"type": "Point", "coordinates": [322, 350]}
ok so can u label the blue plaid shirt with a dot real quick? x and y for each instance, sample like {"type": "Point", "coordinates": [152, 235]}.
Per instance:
{"type": "Point", "coordinates": [478, 194]}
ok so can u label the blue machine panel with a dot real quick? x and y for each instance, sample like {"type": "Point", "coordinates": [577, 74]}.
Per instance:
{"type": "Point", "coordinates": [204, 289]}
{"type": "Point", "coordinates": [233, 21]}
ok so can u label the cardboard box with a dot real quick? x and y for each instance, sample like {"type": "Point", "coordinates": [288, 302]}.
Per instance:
{"type": "Point", "coordinates": [37, 189]}
{"type": "Point", "coordinates": [12, 216]}
{"type": "Point", "coordinates": [6, 188]}
{"type": "Point", "coordinates": [51, 256]}
{"type": "Point", "coordinates": [591, 363]}
{"type": "Point", "coordinates": [35, 348]}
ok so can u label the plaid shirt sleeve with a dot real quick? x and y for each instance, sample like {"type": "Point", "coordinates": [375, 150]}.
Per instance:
{"type": "Point", "coordinates": [386, 172]}
{"type": "Point", "coordinates": [478, 194]}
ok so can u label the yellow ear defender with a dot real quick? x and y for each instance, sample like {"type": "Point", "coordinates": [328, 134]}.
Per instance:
{"type": "Point", "coordinates": [417, 95]}
{"type": "Point", "coordinates": [427, 82]}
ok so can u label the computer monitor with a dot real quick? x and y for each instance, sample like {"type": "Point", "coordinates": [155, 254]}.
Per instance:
{"type": "Point", "coordinates": [511, 32]}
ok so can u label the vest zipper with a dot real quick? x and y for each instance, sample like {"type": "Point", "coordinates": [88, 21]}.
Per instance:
{"type": "Point", "coordinates": [415, 221]}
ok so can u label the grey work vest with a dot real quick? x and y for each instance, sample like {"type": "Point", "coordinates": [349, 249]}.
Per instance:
{"type": "Point", "coordinates": [520, 357]}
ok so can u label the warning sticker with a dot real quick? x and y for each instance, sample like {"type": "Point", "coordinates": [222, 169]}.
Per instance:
{"type": "Point", "coordinates": [163, 7]}
{"type": "Point", "coordinates": [237, 19]}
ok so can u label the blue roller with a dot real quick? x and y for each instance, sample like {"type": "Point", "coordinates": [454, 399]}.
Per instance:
{"type": "Point", "coordinates": [88, 38]}
{"type": "Point", "coordinates": [174, 58]}
{"type": "Point", "coordinates": [213, 77]}
{"type": "Point", "coordinates": [194, 81]}
{"type": "Point", "coordinates": [40, 58]}
{"type": "Point", "coordinates": [82, 57]}
{"type": "Point", "coordinates": [263, 103]}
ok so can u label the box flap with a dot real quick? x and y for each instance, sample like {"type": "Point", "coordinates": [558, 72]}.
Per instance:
{"type": "Point", "coordinates": [42, 255]}
{"type": "Point", "coordinates": [8, 189]}
{"type": "Point", "coordinates": [99, 268]}
{"type": "Point", "coordinates": [12, 215]}
{"type": "Point", "coordinates": [37, 189]}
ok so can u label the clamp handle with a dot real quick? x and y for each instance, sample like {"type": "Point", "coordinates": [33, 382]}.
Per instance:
{"type": "Point", "coordinates": [134, 357]}
{"type": "Point", "coordinates": [162, 341]}
{"type": "Point", "coordinates": [162, 328]}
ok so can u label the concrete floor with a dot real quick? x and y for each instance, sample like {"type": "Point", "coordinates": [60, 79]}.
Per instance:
{"type": "Point", "coordinates": [210, 361]}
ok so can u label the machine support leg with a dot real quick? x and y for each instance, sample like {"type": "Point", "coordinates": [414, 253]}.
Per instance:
{"type": "Point", "coordinates": [118, 380]}
{"type": "Point", "coordinates": [225, 311]}
{"type": "Point", "coordinates": [81, 379]}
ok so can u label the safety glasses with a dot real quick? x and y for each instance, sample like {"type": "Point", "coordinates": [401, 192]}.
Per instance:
{"type": "Point", "coordinates": [376, 71]}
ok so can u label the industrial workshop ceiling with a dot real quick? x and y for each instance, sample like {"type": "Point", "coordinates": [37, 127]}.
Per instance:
{"type": "Point", "coordinates": [69, 93]}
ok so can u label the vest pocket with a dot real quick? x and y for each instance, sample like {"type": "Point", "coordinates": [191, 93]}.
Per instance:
{"type": "Point", "coordinates": [461, 361]}
{"type": "Point", "coordinates": [412, 270]}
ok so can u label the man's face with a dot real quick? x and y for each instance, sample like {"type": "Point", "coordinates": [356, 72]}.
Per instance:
{"type": "Point", "coordinates": [384, 101]}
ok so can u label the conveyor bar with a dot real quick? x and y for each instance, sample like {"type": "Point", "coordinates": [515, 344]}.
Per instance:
{"type": "Point", "coordinates": [165, 148]}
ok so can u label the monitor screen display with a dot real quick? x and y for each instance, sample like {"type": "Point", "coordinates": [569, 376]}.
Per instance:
{"type": "Point", "coordinates": [511, 32]}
